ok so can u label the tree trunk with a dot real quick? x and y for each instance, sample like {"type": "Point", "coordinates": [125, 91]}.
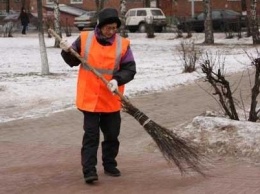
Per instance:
{"type": "Point", "coordinates": [209, 36]}
{"type": "Point", "coordinates": [99, 5]}
{"type": "Point", "coordinates": [123, 31]}
{"type": "Point", "coordinates": [147, 3]}
{"type": "Point", "coordinates": [254, 22]}
{"type": "Point", "coordinates": [243, 5]}
{"type": "Point", "coordinates": [102, 2]}
{"type": "Point", "coordinates": [7, 6]}
{"type": "Point", "coordinates": [23, 3]}
{"type": "Point", "coordinates": [44, 58]}
{"type": "Point", "coordinates": [157, 3]}
{"type": "Point", "coordinates": [57, 27]}
{"type": "Point", "coordinates": [253, 114]}
{"type": "Point", "coordinates": [244, 12]}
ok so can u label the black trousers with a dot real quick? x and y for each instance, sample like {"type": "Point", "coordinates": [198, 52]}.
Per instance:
{"type": "Point", "coordinates": [109, 124]}
{"type": "Point", "coordinates": [24, 29]}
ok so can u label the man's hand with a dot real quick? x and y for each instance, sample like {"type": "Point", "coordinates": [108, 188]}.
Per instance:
{"type": "Point", "coordinates": [112, 85]}
{"type": "Point", "coordinates": [64, 45]}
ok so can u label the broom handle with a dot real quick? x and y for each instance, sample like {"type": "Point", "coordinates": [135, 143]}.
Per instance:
{"type": "Point", "coordinates": [83, 61]}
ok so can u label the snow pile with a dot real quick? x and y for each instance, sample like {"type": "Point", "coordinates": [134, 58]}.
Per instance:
{"type": "Point", "coordinates": [222, 136]}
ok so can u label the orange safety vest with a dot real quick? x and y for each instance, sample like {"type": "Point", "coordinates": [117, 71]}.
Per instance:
{"type": "Point", "coordinates": [92, 93]}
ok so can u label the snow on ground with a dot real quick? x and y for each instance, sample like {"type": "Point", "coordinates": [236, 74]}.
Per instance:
{"type": "Point", "coordinates": [240, 139]}
{"type": "Point", "coordinates": [25, 93]}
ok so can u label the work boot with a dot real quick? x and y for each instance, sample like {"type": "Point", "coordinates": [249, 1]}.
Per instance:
{"type": "Point", "coordinates": [90, 177]}
{"type": "Point", "coordinates": [112, 171]}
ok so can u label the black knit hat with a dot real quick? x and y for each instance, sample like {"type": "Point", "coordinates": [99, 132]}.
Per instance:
{"type": "Point", "coordinates": [108, 16]}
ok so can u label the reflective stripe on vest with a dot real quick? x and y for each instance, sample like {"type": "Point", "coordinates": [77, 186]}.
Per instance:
{"type": "Point", "coordinates": [118, 54]}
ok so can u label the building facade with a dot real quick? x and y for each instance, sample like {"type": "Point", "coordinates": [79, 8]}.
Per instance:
{"type": "Point", "coordinates": [177, 8]}
{"type": "Point", "coordinates": [185, 7]}
{"type": "Point", "coordinates": [31, 5]}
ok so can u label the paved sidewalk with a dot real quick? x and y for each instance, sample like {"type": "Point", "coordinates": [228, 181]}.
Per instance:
{"type": "Point", "coordinates": [43, 155]}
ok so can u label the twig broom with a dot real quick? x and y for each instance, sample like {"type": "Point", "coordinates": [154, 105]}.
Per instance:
{"type": "Point", "coordinates": [176, 150]}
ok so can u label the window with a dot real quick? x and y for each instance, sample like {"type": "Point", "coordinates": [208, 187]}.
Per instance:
{"type": "Point", "coordinates": [76, 1]}
{"type": "Point", "coordinates": [17, 1]}
{"type": "Point", "coordinates": [141, 13]}
{"type": "Point", "coordinates": [156, 12]}
{"type": "Point", "coordinates": [132, 13]}
{"type": "Point", "coordinates": [49, 1]}
{"type": "Point", "coordinates": [201, 16]}
{"type": "Point", "coordinates": [216, 15]}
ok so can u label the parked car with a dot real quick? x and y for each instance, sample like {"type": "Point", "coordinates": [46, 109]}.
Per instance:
{"type": "Point", "coordinates": [222, 20]}
{"type": "Point", "coordinates": [136, 19]}
{"type": "Point", "coordinates": [86, 20]}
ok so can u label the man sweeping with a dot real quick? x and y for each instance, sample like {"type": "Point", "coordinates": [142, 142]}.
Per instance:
{"type": "Point", "coordinates": [111, 55]}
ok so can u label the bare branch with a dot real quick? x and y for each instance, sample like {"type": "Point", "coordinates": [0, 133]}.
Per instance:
{"type": "Point", "coordinates": [221, 87]}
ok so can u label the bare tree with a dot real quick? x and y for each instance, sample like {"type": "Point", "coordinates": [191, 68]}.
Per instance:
{"type": "Point", "coordinates": [221, 87]}
{"type": "Point", "coordinates": [57, 26]}
{"type": "Point", "coordinates": [209, 37]}
{"type": "Point", "coordinates": [23, 3]}
{"type": "Point", "coordinates": [189, 55]}
{"type": "Point", "coordinates": [44, 58]}
{"type": "Point", "coordinates": [99, 5]}
{"type": "Point", "coordinates": [244, 12]}
{"type": "Point", "coordinates": [7, 6]}
{"type": "Point", "coordinates": [147, 3]}
{"type": "Point", "coordinates": [253, 114]}
{"type": "Point", "coordinates": [254, 22]}
{"type": "Point", "coordinates": [123, 31]}
{"type": "Point", "coordinates": [243, 7]}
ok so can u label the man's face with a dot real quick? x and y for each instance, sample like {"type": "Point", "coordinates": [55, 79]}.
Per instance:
{"type": "Point", "coordinates": [109, 30]}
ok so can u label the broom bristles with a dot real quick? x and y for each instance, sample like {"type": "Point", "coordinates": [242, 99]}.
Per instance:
{"type": "Point", "coordinates": [176, 150]}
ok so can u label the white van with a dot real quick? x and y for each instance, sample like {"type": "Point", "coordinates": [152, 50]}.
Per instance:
{"type": "Point", "coordinates": [136, 19]}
